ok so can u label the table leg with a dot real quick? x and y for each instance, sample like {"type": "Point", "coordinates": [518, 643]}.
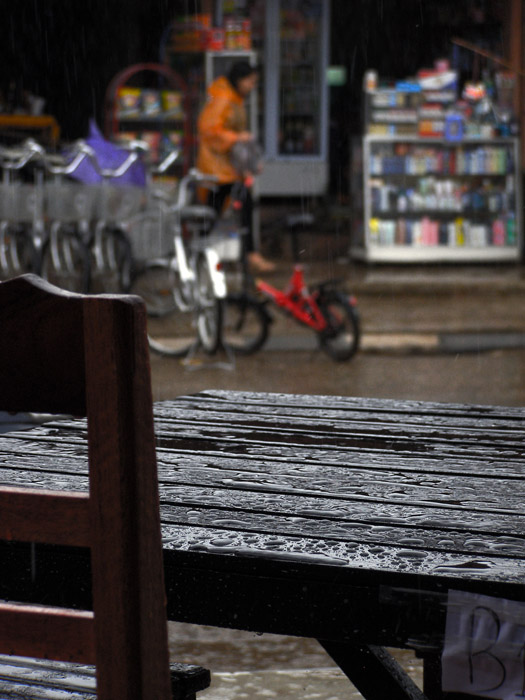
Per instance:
{"type": "Point", "coordinates": [373, 671]}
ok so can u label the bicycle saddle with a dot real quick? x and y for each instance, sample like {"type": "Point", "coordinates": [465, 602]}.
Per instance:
{"type": "Point", "coordinates": [197, 211]}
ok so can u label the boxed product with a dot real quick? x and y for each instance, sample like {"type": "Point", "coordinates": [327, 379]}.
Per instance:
{"type": "Point", "coordinates": [151, 105]}
{"type": "Point", "coordinates": [175, 138]}
{"type": "Point", "coordinates": [191, 32]}
{"type": "Point", "coordinates": [170, 141]}
{"type": "Point", "coordinates": [128, 102]}
{"type": "Point", "coordinates": [152, 138]}
{"type": "Point", "coordinates": [237, 34]}
{"type": "Point", "coordinates": [172, 104]}
{"type": "Point", "coordinates": [216, 39]}
{"type": "Point", "coordinates": [438, 80]}
{"type": "Point", "coordinates": [125, 137]}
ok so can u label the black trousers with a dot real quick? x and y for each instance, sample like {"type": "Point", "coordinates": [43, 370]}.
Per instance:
{"type": "Point", "coordinates": [217, 198]}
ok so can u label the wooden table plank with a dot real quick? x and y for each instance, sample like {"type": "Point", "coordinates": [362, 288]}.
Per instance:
{"type": "Point", "coordinates": [453, 419]}
{"type": "Point", "coordinates": [489, 459]}
{"type": "Point", "coordinates": [453, 491]}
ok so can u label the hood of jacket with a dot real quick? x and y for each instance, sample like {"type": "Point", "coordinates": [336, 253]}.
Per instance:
{"type": "Point", "coordinates": [221, 87]}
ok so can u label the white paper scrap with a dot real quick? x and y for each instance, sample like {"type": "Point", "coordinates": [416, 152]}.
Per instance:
{"type": "Point", "coordinates": [484, 650]}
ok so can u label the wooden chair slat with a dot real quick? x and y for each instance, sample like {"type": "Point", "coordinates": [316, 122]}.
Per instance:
{"type": "Point", "coordinates": [44, 516]}
{"type": "Point", "coordinates": [51, 633]}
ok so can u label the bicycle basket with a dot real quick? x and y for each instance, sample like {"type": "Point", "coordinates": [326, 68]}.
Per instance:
{"type": "Point", "coordinates": [9, 195]}
{"type": "Point", "coordinates": [69, 202]}
{"type": "Point", "coordinates": [148, 237]}
{"type": "Point", "coordinates": [118, 203]}
{"type": "Point", "coordinates": [28, 203]}
{"type": "Point", "coordinates": [225, 241]}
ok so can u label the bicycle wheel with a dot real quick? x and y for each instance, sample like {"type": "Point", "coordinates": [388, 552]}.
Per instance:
{"type": "Point", "coordinates": [171, 329]}
{"type": "Point", "coordinates": [65, 262]}
{"type": "Point", "coordinates": [112, 261]}
{"type": "Point", "coordinates": [245, 324]}
{"type": "Point", "coordinates": [208, 308]}
{"type": "Point", "coordinates": [340, 339]}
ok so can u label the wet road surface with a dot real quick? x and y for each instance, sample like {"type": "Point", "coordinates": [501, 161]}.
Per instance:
{"type": "Point", "coordinates": [496, 377]}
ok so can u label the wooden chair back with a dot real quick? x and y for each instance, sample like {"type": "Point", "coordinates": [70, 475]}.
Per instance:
{"type": "Point", "coordinates": [88, 356]}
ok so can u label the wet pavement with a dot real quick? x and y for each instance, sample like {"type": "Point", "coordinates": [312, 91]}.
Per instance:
{"type": "Point", "coordinates": [251, 666]}
{"type": "Point", "coordinates": [429, 333]}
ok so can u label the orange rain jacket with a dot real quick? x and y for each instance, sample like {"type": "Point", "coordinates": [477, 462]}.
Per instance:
{"type": "Point", "coordinates": [221, 120]}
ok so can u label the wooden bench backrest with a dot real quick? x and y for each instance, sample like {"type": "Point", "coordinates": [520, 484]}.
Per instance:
{"type": "Point", "coordinates": [88, 356]}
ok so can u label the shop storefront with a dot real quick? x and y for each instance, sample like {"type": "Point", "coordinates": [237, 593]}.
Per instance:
{"type": "Point", "coordinates": [437, 173]}
{"type": "Point", "coordinates": [289, 39]}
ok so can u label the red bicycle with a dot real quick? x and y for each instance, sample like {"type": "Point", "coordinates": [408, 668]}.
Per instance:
{"type": "Point", "coordinates": [325, 308]}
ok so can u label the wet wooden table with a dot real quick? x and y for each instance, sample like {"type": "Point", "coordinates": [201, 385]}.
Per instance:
{"type": "Point", "coordinates": [344, 519]}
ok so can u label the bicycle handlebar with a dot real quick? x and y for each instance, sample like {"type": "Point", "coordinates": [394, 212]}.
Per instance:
{"type": "Point", "coordinates": [171, 158]}
{"type": "Point", "coordinates": [191, 177]}
{"type": "Point", "coordinates": [17, 158]}
{"type": "Point", "coordinates": [81, 152]}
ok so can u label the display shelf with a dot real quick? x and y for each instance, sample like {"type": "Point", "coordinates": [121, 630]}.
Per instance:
{"type": "Point", "coordinates": [429, 199]}
{"type": "Point", "coordinates": [149, 101]}
{"type": "Point", "coordinates": [437, 254]}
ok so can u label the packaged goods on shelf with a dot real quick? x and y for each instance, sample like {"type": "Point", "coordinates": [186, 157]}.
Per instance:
{"type": "Point", "coordinates": [392, 129]}
{"type": "Point", "coordinates": [125, 137]}
{"type": "Point", "coordinates": [216, 39]}
{"type": "Point", "coordinates": [151, 103]}
{"type": "Point", "coordinates": [438, 80]}
{"type": "Point", "coordinates": [237, 34]}
{"type": "Point", "coordinates": [428, 232]}
{"type": "Point", "coordinates": [169, 141]}
{"type": "Point", "coordinates": [442, 96]}
{"type": "Point", "coordinates": [175, 138]}
{"type": "Point", "coordinates": [395, 116]}
{"type": "Point", "coordinates": [431, 110]}
{"type": "Point", "coordinates": [172, 104]}
{"type": "Point", "coordinates": [464, 160]}
{"type": "Point", "coordinates": [128, 102]}
{"type": "Point", "coordinates": [190, 33]}
{"type": "Point", "coordinates": [152, 138]}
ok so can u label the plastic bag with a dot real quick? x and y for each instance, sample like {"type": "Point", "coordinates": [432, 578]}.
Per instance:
{"type": "Point", "coordinates": [246, 157]}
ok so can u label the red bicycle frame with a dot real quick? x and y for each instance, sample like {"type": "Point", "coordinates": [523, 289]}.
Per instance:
{"type": "Point", "coordinates": [296, 300]}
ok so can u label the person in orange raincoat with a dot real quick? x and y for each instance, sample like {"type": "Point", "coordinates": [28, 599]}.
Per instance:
{"type": "Point", "coordinates": [222, 123]}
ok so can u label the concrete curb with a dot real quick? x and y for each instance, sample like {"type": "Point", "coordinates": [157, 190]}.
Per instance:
{"type": "Point", "coordinates": [407, 343]}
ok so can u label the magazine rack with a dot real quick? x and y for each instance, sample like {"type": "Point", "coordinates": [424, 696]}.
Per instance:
{"type": "Point", "coordinates": [160, 115]}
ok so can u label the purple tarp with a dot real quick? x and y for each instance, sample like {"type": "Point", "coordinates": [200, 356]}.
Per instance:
{"type": "Point", "coordinates": [109, 156]}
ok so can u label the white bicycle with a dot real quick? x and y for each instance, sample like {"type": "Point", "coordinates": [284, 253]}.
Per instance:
{"type": "Point", "coordinates": [180, 277]}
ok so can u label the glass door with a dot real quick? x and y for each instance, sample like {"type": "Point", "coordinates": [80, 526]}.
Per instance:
{"type": "Point", "coordinates": [300, 80]}
{"type": "Point", "coordinates": [295, 97]}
